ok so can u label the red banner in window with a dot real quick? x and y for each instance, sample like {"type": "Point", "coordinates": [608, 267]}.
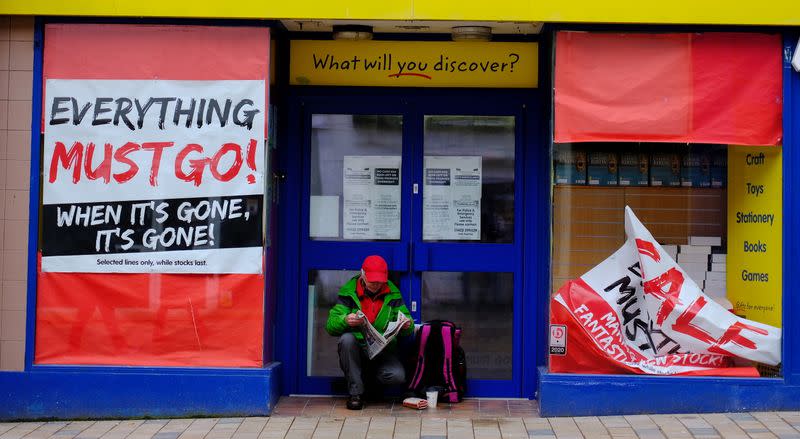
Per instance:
{"type": "Point", "coordinates": [150, 319]}
{"type": "Point", "coordinates": [151, 316]}
{"type": "Point", "coordinates": [722, 88]}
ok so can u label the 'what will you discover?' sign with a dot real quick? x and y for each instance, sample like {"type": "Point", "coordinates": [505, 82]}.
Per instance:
{"type": "Point", "coordinates": [153, 176]}
{"type": "Point", "coordinates": [414, 64]}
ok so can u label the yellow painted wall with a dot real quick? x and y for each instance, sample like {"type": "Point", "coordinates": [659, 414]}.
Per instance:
{"type": "Point", "coordinates": [769, 12]}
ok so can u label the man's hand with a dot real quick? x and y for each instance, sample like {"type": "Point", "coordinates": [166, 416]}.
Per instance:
{"type": "Point", "coordinates": [352, 320]}
{"type": "Point", "coordinates": [406, 324]}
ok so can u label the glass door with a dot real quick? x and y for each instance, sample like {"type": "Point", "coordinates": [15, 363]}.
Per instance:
{"type": "Point", "coordinates": [434, 189]}
{"type": "Point", "coordinates": [355, 204]}
{"type": "Point", "coordinates": [467, 254]}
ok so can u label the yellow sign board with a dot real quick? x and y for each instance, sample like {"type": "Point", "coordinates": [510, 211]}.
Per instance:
{"type": "Point", "coordinates": [755, 232]}
{"type": "Point", "coordinates": [414, 64]}
{"type": "Point", "coordinates": [770, 12]}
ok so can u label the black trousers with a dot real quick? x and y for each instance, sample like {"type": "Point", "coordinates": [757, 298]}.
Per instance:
{"type": "Point", "coordinates": [353, 360]}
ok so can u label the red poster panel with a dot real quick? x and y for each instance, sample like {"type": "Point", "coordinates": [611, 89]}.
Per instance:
{"type": "Point", "coordinates": [722, 88]}
{"type": "Point", "coordinates": [132, 51]}
{"type": "Point", "coordinates": [196, 319]}
{"type": "Point", "coordinates": [150, 320]}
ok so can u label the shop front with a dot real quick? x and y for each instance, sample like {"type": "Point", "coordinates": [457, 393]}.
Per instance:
{"type": "Point", "coordinates": [147, 265]}
{"type": "Point", "coordinates": [606, 212]}
{"type": "Point", "coordinates": [407, 163]}
{"type": "Point", "coordinates": [671, 185]}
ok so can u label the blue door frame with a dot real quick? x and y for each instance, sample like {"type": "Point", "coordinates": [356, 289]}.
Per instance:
{"type": "Point", "coordinates": [298, 254]}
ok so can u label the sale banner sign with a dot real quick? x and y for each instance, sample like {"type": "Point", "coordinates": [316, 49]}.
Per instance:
{"type": "Point", "coordinates": [639, 312]}
{"type": "Point", "coordinates": [152, 219]}
{"type": "Point", "coordinates": [153, 176]}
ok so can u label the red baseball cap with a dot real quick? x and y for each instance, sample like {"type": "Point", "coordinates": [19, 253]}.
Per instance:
{"type": "Point", "coordinates": [375, 269]}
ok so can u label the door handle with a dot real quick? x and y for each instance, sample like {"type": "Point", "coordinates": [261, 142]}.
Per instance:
{"type": "Point", "coordinates": [278, 177]}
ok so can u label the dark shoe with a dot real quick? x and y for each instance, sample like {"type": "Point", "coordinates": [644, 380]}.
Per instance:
{"type": "Point", "coordinates": [355, 402]}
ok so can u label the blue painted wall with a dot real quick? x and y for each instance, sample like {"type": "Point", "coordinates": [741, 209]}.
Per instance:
{"type": "Point", "coordinates": [82, 392]}
{"type": "Point", "coordinates": [599, 395]}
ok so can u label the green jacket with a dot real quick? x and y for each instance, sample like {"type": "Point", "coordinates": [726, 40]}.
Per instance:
{"type": "Point", "coordinates": [349, 303]}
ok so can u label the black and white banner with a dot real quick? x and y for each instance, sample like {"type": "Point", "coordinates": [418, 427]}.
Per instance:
{"type": "Point", "coordinates": [160, 176]}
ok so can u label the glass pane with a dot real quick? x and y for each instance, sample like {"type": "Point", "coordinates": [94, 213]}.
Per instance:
{"type": "Point", "coordinates": [355, 177]}
{"type": "Point", "coordinates": [715, 211]}
{"type": "Point", "coordinates": [323, 289]}
{"type": "Point", "coordinates": [468, 183]}
{"type": "Point", "coordinates": [483, 305]}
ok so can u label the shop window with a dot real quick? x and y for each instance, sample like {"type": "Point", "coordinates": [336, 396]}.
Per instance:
{"type": "Point", "coordinates": [694, 285]}
{"type": "Point", "coordinates": [343, 148]}
{"type": "Point", "coordinates": [152, 216]}
{"type": "Point", "coordinates": [322, 359]}
{"type": "Point", "coordinates": [483, 304]}
{"type": "Point", "coordinates": [667, 257]}
{"type": "Point", "coordinates": [491, 140]}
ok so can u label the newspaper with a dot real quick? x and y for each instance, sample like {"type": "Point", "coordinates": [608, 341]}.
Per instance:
{"type": "Point", "coordinates": [376, 341]}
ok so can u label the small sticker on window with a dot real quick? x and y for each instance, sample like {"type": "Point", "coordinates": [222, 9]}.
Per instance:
{"type": "Point", "coordinates": [558, 339]}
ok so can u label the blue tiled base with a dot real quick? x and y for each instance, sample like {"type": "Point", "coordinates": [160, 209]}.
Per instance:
{"type": "Point", "coordinates": [53, 392]}
{"type": "Point", "coordinates": [600, 395]}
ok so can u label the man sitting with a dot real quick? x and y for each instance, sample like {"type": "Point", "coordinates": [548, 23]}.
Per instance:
{"type": "Point", "coordinates": [380, 301]}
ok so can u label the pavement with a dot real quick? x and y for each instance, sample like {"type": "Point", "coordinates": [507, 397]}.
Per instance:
{"type": "Point", "coordinates": [384, 420]}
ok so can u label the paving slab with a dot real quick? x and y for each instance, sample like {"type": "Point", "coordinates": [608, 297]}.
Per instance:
{"type": "Point", "coordinates": [198, 429]}
{"type": "Point", "coordinates": [565, 428]}
{"type": "Point", "coordinates": [123, 429]}
{"type": "Point", "coordinates": [276, 427]}
{"type": "Point", "coordinates": [512, 428]}
{"type": "Point", "coordinates": [250, 428]}
{"type": "Point", "coordinates": [590, 426]}
{"type": "Point", "coordinates": [355, 428]}
{"type": "Point", "coordinates": [410, 428]}
{"type": "Point", "coordinates": [474, 419]}
{"type": "Point", "coordinates": [539, 428]}
{"type": "Point", "coordinates": [46, 430]}
{"type": "Point", "coordinates": [302, 428]}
